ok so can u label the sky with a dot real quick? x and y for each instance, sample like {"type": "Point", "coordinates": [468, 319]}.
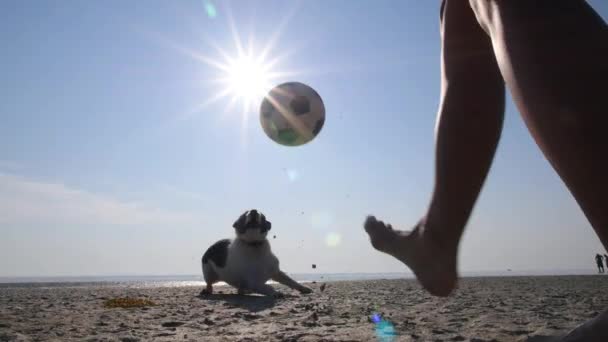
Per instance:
{"type": "Point", "coordinates": [118, 157]}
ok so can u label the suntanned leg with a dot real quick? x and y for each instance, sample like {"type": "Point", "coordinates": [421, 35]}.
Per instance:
{"type": "Point", "coordinates": [282, 278]}
{"type": "Point", "coordinates": [468, 129]}
{"type": "Point", "coordinates": [553, 55]}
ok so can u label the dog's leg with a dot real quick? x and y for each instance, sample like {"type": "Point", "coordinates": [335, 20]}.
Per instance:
{"type": "Point", "coordinates": [282, 278]}
{"type": "Point", "coordinates": [243, 291]}
{"type": "Point", "coordinates": [210, 278]}
{"type": "Point", "coordinates": [207, 290]}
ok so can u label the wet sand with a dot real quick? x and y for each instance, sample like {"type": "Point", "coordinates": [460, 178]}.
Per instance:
{"type": "Point", "coordinates": [483, 309]}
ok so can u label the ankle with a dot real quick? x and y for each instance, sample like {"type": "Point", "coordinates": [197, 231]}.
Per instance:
{"type": "Point", "coordinates": [440, 234]}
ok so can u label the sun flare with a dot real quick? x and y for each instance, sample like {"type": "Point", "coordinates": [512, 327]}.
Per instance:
{"type": "Point", "coordinates": [248, 79]}
{"type": "Point", "coordinates": [244, 73]}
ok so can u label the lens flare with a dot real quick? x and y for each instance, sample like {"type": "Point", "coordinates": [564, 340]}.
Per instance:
{"type": "Point", "coordinates": [333, 239]}
{"type": "Point", "coordinates": [376, 318]}
{"type": "Point", "coordinates": [292, 175]}
{"type": "Point", "coordinates": [385, 330]}
{"type": "Point", "coordinates": [210, 9]}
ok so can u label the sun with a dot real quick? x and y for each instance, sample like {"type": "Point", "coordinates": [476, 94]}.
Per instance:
{"type": "Point", "coordinates": [247, 78]}
{"type": "Point", "coordinates": [243, 73]}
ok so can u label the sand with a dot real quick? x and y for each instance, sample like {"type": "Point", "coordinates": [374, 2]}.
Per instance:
{"type": "Point", "coordinates": [483, 309]}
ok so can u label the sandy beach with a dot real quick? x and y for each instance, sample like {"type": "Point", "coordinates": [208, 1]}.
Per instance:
{"type": "Point", "coordinates": [483, 309]}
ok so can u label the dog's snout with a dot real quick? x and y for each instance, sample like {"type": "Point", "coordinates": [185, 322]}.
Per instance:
{"type": "Point", "coordinates": [253, 219]}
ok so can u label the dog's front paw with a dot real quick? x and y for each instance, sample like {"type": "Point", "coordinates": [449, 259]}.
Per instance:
{"type": "Point", "coordinates": [243, 292]}
{"type": "Point", "coordinates": [277, 295]}
{"type": "Point", "coordinates": [305, 290]}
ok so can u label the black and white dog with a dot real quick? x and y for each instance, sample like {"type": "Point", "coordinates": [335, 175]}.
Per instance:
{"type": "Point", "coordinates": [246, 262]}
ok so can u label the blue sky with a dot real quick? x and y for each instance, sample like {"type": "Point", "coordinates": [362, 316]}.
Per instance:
{"type": "Point", "coordinates": [109, 163]}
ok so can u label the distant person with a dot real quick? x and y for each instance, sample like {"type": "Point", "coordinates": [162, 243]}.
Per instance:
{"type": "Point", "coordinates": [600, 263]}
{"type": "Point", "coordinates": [553, 57]}
{"type": "Point", "coordinates": [606, 259]}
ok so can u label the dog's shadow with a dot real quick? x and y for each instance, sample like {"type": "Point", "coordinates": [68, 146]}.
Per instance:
{"type": "Point", "coordinates": [251, 303]}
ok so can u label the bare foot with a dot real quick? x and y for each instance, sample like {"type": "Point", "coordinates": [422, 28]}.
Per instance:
{"type": "Point", "coordinates": [433, 264]}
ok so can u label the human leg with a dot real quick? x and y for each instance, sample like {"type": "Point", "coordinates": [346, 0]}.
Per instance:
{"type": "Point", "coordinates": [467, 133]}
{"type": "Point", "coordinates": [553, 55]}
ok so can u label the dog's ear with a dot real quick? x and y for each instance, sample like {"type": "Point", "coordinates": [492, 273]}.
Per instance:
{"type": "Point", "coordinates": [266, 224]}
{"type": "Point", "coordinates": [240, 222]}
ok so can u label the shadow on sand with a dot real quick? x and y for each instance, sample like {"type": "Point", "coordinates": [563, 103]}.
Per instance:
{"type": "Point", "coordinates": [251, 303]}
{"type": "Point", "coordinates": [542, 338]}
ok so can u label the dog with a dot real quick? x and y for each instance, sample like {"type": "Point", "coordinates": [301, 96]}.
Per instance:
{"type": "Point", "coordinates": [246, 262]}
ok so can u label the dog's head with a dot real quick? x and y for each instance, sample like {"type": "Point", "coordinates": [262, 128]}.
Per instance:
{"type": "Point", "coordinates": [252, 227]}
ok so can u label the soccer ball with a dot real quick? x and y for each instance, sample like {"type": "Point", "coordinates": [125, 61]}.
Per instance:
{"type": "Point", "coordinates": [292, 114]}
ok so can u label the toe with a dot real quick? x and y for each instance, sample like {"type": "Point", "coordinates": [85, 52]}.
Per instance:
{"type": "Point", "coordinates": [372, 225]}
{"type": "Point", "coordinates": [369, 221]}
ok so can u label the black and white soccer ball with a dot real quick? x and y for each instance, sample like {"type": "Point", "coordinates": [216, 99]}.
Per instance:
{"type": "Point", "coordinates": [292, 114]}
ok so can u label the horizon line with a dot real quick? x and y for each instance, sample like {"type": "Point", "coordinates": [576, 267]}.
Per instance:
{"type": "Point", "coordinates": [109, 277]}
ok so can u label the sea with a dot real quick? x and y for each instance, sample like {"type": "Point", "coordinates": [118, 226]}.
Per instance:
{"type": "Point", "coordinates": [137, 281]}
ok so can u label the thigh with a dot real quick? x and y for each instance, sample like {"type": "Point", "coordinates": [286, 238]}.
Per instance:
{"type": "Point", "coordinates": [552, 53]}
{"type": "Point", "coordinates": [467, 56]}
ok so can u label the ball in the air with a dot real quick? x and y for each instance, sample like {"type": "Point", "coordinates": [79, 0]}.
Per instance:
{"type": "Point", "coordinates": [292, 114]}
